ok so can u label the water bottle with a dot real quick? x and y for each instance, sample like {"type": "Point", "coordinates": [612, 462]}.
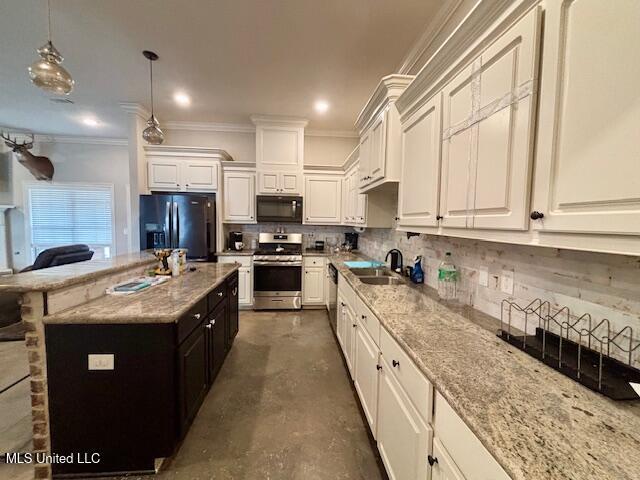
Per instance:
{"type": "Point", "coordinates": [447, 278]}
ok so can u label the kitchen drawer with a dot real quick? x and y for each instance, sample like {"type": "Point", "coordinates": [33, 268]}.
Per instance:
{"type": "Point", "coordinates": [368, 320]}
{"type": "Point", "coordinates": [469, 455]}
{"type": "Point", "coordinates": [313, 261]}
{"type": "Point", "coordinates": [190, 320]}
{"type": "Point", "coordinates": [216, 296]}
{"type": "Point", "coordinates": [244, 260]}
{"type": "Point", "coordinates": [348, 293]}
{"type": "Point", "coordinates": [414, 383]}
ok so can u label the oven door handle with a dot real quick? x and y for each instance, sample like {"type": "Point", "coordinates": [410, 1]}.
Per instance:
{"type": "Point", "coordinates": [277, 264]}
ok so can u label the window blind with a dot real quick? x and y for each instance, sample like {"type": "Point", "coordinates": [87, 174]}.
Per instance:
{"type": "Point", "coordinates": [64, 215]}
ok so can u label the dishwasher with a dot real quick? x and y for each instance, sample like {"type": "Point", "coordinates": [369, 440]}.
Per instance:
{"type": "Point", "coordinates": [332, 295]}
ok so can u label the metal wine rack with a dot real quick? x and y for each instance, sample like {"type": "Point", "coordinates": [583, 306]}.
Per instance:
{"type": "Point", "coordinates": [581, 350]}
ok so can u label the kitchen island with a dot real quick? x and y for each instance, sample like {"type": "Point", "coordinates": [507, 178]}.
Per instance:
{"type": "Point", "coordinates": [121, 376]}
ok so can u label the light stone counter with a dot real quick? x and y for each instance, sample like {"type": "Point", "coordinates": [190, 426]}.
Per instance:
{"type": "Point", "coordinates": [163, 303]}
{"type": "Point", "coordinates": [537, 423]}
{"type": "Point", "coordinates": [236, 253]}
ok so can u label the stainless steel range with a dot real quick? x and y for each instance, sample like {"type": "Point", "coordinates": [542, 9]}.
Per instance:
{"type": "Point", "coordinates": [277, 272]}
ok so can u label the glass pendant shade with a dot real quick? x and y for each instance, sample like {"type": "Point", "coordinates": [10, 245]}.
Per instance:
{"type": "Point", "coordinates": [152, 134]}
{"type": "Point", "coordinates": [47, 72]}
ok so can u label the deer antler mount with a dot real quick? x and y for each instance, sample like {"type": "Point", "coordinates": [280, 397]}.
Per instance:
{"type": "Point", "coordinates": [40, 167]}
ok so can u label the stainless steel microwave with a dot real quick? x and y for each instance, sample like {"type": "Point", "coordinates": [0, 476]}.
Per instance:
{"type": "Point", "coordinates": [279, 209]}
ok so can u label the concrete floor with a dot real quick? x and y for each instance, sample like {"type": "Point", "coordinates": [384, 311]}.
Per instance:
{"type": "Point", "coordinates": [282, 407]}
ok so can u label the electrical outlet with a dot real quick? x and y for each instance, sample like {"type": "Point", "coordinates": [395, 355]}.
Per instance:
{"type": "Point", "coordinates": [506, 285]}
{"type": "Point", "coordinates": [101, 361]}
{"type": "Point", "coordinates": [483, 278]}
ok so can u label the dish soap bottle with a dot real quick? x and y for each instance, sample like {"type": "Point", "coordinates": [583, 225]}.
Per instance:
{"type": "Point", "coordinates": [417, 274]}
{"type": "Point", "coordinates": [447, 278]}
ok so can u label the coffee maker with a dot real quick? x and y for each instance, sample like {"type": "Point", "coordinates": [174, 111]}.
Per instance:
{"type": "Point", "coordinates": [235, 241]}
{"type": "Point", "coordinates": [351, 238]}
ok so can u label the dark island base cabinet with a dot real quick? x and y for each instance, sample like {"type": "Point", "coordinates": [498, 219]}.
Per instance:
{"type": "Point", "coordinates": [139, 410]}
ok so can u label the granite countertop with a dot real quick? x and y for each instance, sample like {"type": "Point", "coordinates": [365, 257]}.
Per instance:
{"type": "Point", "coordinates": [235, 253]}
{"type": "Point", "coordinates": [537, 423]}
{"type": "Point", "coordinates": [65, 275]}
{"type": "Point", "coordinates": [164, 303]}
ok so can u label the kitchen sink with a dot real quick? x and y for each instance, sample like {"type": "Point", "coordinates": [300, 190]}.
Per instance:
{"type": "Point", "coordinates": [371, 272]}
{"type": "Point", "coordinates": [381, 280]}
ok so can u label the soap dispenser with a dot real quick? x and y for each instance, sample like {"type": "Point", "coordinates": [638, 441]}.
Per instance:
{"type": "Point", "coordinates": [417, 274]}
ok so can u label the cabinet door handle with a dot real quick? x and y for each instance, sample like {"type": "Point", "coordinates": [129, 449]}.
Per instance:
{"type": "Point", "coordinates": [439, 217]}
{"type": "Point", "coordinates": [432, 460]}
{"type": "Point", "coordinates": [208, 325]}
{"type": "Point", "coordinates": [395, 363]}
{"type": "Point", "coordinates": [378, 367]}
{"type": "Point", "coordinates": [219, 294]}
{"type": "Point", "coordinates": [535, 215]}
{"type": "Point", "coordinates": [212, 322]}
{"type": "Point", "coordinates": [235, 291]}
{"type": "Point", "coordinates": [197, 316]}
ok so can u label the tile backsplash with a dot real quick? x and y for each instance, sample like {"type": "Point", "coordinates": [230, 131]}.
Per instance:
{"type": "Point", "coordinates": [310, 233]}
{"type": "Point", "coordinates": [604, 285]}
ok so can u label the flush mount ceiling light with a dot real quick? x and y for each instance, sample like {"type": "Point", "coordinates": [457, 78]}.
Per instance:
{"type": "Point", "coordinates": [182, 99]}
{"type": "Point", "coordinates": [90, 121]}
{"type": "Point", "coordinates": [47, 72]}
{"type": "Point", "coordinates": [152, 134]}
{"type": "Point", "coordinates": [321, 106]}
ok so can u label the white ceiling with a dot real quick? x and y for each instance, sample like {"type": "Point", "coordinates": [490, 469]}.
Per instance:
{"type": "Point", "coordinates": [233, 57]}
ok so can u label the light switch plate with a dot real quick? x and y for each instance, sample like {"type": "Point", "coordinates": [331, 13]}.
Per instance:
{"type": "Point", "coordinates": [483, 278]}
{"type": "Point", "coordinates": [506, 284]}
{"type": "Point", "coordinates": [101, 361]}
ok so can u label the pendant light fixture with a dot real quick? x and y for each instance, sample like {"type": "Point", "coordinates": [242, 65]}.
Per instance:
{"type": "Point", "coordinates": [47, 72]}
{"type": "Point", "coordinates": [152, 134]}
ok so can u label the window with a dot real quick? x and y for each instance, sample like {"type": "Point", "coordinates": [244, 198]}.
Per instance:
{"type": "Point", "coordinates": [68, 214]}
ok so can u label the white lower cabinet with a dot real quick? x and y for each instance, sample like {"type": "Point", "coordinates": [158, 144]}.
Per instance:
{"type": "Point", "coordinates": [365, 380]}
{"type": "Point", "coordinates": [245, 277]}
{"type": "Point", "coordinates": [404, 439]}
{"type": "Point", "coordinates": [313, 286]}
{"type": "Point", "coordinates": [444, 468]}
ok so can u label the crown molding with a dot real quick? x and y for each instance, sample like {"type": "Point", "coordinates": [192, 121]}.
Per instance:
{"type": "Point", "coordinates": [76, 139]}
{"type": "Point", "coordinates": [331, 133]}
{"type": "Point", "coordinates": [387, 91]}
{"type": "Point", "coordinates": [431, 32]}
{"type": "Point", "coordinates": [209, 127]}
{"type": "Point", "coordinates": [279, 120]}
{"type": "Point", "coordinates": [486, 20]}
{"type": "Point", "coordinates": [179, 151]}
{"type": "Point", "coordinates": [136, 109]}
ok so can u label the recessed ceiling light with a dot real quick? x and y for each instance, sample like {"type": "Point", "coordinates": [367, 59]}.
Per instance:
{"type": "Point", "coordinates": [182, 99]}
{"type": "Point", "coordinates": [321, 106]}
{"type": "Point", "coordinates": [90, 122]}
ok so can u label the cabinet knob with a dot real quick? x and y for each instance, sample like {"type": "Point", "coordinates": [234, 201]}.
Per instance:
{"type": "Point", "coordinates": [364, 317]}
{"type": "Point", "coordinates": [342, 304]}
{"type": "Point", "coordinates": [355, 325]}
{"type": "Point", "coordinates": [212, 322]}
{"type": "Point", "coordinates": [535, 215]}
{"type": "Point", "coordinates": [432, 460]}
{"type": "Point", "coordinates": [219, 294]}
{"type": "Point", "coordinates": [397, 218]}
{"type": "Point", "coordinates": [439, 217]}
{"type": "Point", "coordinates": [197, 316]}
{"type": "Point", "coordinates": [378, 367]}
{"type": "Point", "coordinates": [208, 325]}
{"type": "Point", "coordinates": [395, 363]}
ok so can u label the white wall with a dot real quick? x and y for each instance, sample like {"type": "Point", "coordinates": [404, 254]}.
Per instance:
{"type": "Point", "coordinates": [241, 146]}
{"type": "Point", "coordinates": [73, 162]}
{"type": "Point", "coordinates": [331, 151]}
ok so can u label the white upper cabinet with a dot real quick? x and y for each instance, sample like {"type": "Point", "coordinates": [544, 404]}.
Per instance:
{"type": "Point", "coordinates": [588, 153]}
{"type": "Point", "coordinates": [279, 183]}
{"type": "Point", "coordinates": [420, 179]}
{"type": "Point", "coordinates": [184, 169]}
{"type": "Point", "coordinates": [379, 127]}
{"type": "Point", "coordinates": [488, 133]}
{"type": "Point", "coordinates": [322, 199]}
{"type": "Point", "coordinates": [239, 197]}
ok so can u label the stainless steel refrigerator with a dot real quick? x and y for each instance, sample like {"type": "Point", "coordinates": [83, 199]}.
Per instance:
{"type": "Point", "coordinates": [175, 220]}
